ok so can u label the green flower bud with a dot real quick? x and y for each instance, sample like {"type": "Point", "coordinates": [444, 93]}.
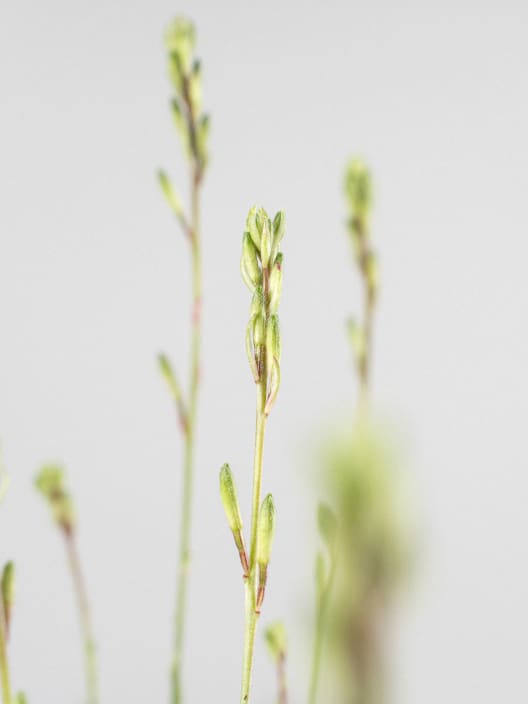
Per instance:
{"type": "Point", "coordinates": [358, 188]}
{"type": "Point", "coordinates": [275, 284]}
{"type": "Point", "coordinates": [249, 264]}
{"type": "Point", "coordinates": [202, 138]}
{"type": "Point", "coordinates": [265, 241]}
{"type": "Point", "coordinates": [228, 494]}
{"type": "Point", "coordinates": [273, 385]}
{"type": "Point", "coordinates": [257, 302]}
{"type": "Point", "coordinates": [252, 227]}
{"type": "Point", "coordinates": [265, 530]}
{"type": "Point", "coordinates": [178, 117]}
{"type": "Point", "coordinates": [259, 331]}
{"type": "Point", "coordinates": [50, 483]}
{"type": "Point", "coordinates": [20, 698]}
{"type": "Point", "coordinates": [8, 591]}
{"type": "Point", "coordinates": [180, 40]}
{"type": "Point", "coordinates": [273, 345]}
{"type": "Point", "coordinates": [276, 640]}
{"type": "Point", "coordinates": [171, 195]}
{"type": "Point", "coordinates": [251, 351]}
{"type": "Point", "coordinates": [195, 87]}
{"type": "Point", "coordinates": [279, 228]}
{"type": "Point", "coordinates": [8, 584]}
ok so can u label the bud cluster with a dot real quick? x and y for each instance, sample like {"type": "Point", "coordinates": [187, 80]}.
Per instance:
{"type": "Point", "coordinates": [358, 191]}
{"type": "Point", "coordinates": [261, 267]}
{"type": "Point", "coordinates": [186, 78]}
{"type": "Point", "coordinates": [51, 484]}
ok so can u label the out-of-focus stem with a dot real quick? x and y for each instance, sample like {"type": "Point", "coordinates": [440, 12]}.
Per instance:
{"type": "Point", "coordinates": [321, 612]}
{"type": "Point", "coordinates": [282, 681]}
{"type": "Point", "coordinates": [189, 440]}
{"type": "Point", "coordinates": [85, 619]}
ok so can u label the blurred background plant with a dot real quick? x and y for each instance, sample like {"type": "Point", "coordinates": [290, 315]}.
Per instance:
{"type": "Point", "coordinates": [192, 125]}
{"type": "Point", "coordinates": [363, 528]}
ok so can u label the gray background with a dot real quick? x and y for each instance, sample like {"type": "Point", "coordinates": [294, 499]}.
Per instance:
{"type": "Point", "coordinates": [93, 282]}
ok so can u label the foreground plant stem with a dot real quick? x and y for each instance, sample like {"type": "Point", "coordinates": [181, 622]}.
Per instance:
{"type": "Point", "coordinates": [251, 613]}
{"type": "Point", "coordinates": [85, 618]}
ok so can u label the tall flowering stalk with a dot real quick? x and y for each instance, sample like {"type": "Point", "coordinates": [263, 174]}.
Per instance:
{"type": "Point", "coordinates": [261, 267]}
{"type": "Point", "coordinates": [51, 483]}
{"type": "Point", "coordinates": [358, 192]}
{"type": "Point", "coordinates": [193, 128]}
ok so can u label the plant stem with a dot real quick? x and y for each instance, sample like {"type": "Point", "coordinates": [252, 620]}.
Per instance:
{"type": "Point", "coordinates": [281, 676]}
{"type": "Point", "coordinates": [321, 611]}
{"type": "Point", "coordinates": [90, 660]}
{"type": "Point", "coordinates": [189, 438]}
{"type": "Point", "coordinates": [250, 588]}
{"type": "Point", "coordinates": [4, 664]}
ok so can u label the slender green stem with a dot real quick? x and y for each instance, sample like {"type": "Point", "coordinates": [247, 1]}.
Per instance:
{"type": "Point", "coordinates": [251, 582]}
{"type": "Point", "coordinates": [90, 658]}
{"type": "Point", "coordinates": [188, 451]}
{"type": "Point", "coordinates": [4, 664]}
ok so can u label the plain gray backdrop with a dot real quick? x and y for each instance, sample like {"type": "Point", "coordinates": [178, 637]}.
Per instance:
{"type": "Point", "coordinates": [94, 282]}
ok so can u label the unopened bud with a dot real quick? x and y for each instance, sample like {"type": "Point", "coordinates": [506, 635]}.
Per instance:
{"type": "Point", "coordinates": [265, 530]}
{"type": "Point", "coordinates": [252, 227]}
{"type": "Point", "coordinates": [276, 640]}
{"type": "Point", "coordinates": [279, 228]}
{"type": "Point", "coordinates": [251, 351]}
{"type": "Point", "coordinates": [50, 483]}
{"type": "Point", "coordinates": [8, 591]}
{"type": "Point", "coordinates": [20, 698]}
{"type": "Point", "coordinates": [228, 494]}
{"type": "Point", "coordinates": [273, 385]}
{"type": "Point", "coordinates": [273, 344]}
{"type": "Point", "coordinates": [265, 241]}
{"type": "Point", "coordinates": [195, 87]}
{"type": "Point", "coordinates": [275, 284]}
{"type": "Point", "coordinates": [249, 263]}
{"type": "Point", "coordinates": [259, 331]}
{"type": "Point", "coordinates": [180, 39]}
{"type": "Point", "coordinates": [170, 193]}
{"type": "Point", "coordinates": [358, 188]}
{"type": "Point", "coordinates": [257, 302]}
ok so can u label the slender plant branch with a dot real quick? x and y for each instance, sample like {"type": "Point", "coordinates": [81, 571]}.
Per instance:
{"type": "Point", "coordinates": [85, 617]}
{"type": "Point", "coordinates": [193, 126]}
{"type": "Point", "coordinates": [324, 581]}
{"type": "Point", "coordinates": [275, 636]}
{"type": "Point", "coordinates": [51, 483]}
{"type": "Point", "coordinates": [358, 190]}
{"type": "Point", "coordinates": [261, 267]}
